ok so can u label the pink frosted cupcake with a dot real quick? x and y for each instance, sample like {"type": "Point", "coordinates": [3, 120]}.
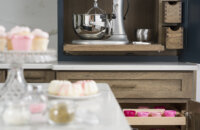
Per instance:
{"type": "Point", "coordinates": [20, 39]}
{"type": "Point", "coordinates": [3, 39]}
{"type": "Point", "coordinates": [22, 43]}
{"type": "Point", "coordinates": [170, 113]}
{"type": "Point", "coordinates": [142, 114]}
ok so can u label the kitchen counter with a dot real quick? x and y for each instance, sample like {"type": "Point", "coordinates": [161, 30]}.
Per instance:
{"type": "Point", "coordinates": [112, 66]}
{"type": "Point", "coordinates": [101, 107]}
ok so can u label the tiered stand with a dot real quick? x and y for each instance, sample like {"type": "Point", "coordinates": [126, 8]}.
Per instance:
{"type": "Point", "coordinates": [15, 85]}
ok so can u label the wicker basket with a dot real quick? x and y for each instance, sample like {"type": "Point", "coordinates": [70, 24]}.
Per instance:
{"type": "Point", "coordinates": [172, 11]}
{"type": "Point", "coordinates": [174, 38]}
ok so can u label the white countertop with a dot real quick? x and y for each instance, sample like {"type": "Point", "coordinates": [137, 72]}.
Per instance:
{"type": "Point", "coordinates": [104, 108]}
{"type": "Point", "coordinates": [112, 66]}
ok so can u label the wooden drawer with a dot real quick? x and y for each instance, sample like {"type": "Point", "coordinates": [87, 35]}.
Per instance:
{"type": "Point", "coordinates": [174, 37]}
{"type": "Point", "coordinates": [172, 11]}
{"type": "Point", "coordinates": [2, 76]}
{"type": "Point", "coordinates": [39, 76]}
{"type": "Point", "coordinates": [140, 84]}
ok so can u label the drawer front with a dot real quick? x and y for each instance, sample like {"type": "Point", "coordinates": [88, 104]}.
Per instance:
{"type": "Point", "coordinates": [172, 12]}
{"type": "Point", "coordinates": [140, 84]}
{"type": "Point", "coordinates": [174, 38]}
{"type": "Point", "coordinates": [39, 76]}
{"type": "Point", "coordinates": [2, 76]}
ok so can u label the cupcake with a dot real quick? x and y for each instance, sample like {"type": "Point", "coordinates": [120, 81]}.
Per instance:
{"type": "Point", "coordinates": [3, 39]}
{"type": "Point", "coordinates": [41, 40]}
{"type": "Point", "coordinates": [20, 39]}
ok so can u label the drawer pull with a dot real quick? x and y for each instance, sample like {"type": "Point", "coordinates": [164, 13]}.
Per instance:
{"type": "Point", "coordinates": [123, 87]}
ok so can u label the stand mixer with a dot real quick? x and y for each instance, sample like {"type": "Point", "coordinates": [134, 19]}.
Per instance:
{"type": "Point", "coordinates": [101, 28]}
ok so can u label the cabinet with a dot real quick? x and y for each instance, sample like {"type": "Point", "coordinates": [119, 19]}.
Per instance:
{"type": "Point", "coordinates": [140, 84]}
{"type": "Point", "coordinates": [155, 14]}
{"type": "Point", "coordinates": [39, 76]}
{"type": "Point", "coordinates": [2, 76]}
{"type": "Point", "coordinates": [173, 89]}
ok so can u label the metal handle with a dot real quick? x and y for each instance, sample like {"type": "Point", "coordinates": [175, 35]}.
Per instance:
{"type": "Point", "coordinates": [126, 87]}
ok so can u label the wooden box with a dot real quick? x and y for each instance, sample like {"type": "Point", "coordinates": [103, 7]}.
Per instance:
{"type": "Point", "coordinates": [174, 38]}
{"type": "Point", "coordinates": [172, 12]}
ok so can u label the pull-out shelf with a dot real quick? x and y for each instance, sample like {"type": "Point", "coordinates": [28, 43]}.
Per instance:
{"type": "Point", "coordinates": [157, 121]}
{"type": "Point", "coordinates": [179, 120]}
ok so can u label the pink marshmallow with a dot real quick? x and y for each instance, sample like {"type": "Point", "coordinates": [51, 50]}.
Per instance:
{"type": "Point", "coordinates": [142, 114]}
{"type": "Point", "coordinates": [156, 114]}
{"type": "Point", "coordinates": [129, 113]}
{"type": "Point", "coordinates": [170, 113]}
{"type": "Point", "coordinates": [37, 108]}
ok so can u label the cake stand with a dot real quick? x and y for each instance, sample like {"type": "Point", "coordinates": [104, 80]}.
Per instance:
{"type": "Point", "coordinates": [15, 86]}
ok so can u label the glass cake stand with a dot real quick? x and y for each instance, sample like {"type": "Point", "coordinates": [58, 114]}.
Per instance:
{"type": "Point", "coordinates": [15, 86]}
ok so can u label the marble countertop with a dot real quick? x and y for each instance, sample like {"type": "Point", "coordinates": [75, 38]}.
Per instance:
{"type": "Point", "coordinates": [111, 66]}
{"type": "Point", "coordinates": [96, 114]}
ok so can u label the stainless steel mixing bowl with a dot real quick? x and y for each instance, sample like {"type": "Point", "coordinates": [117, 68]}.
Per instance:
{"type": "Point", "coordinates": [91, 26]}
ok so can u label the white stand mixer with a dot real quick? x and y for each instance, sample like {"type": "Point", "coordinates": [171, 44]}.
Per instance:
{"type": "Point", "coordinates": [118, 34]}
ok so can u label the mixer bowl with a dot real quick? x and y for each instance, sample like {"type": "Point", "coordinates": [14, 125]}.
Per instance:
{"type": "Point", "coordinates": [91, 26]}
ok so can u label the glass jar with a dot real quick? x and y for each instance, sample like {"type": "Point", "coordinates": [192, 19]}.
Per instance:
{"type": "Point", "coordinates": [16, 113]}
{"type": "Point", "coordinates": [61, 112]}
{"type": "Point", "coordinates": [37, 103]}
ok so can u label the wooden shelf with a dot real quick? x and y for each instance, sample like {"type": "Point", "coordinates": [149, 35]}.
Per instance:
{"type": "Point", "coordinates": [179, 120]}
{"type": "Point", "coordinates": [113, 48]}
{"type": "Point", "coordinates": [166, 121]}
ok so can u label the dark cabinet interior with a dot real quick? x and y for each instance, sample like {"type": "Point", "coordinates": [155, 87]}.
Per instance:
{"type": "Point", "coordinates": [170, 21]}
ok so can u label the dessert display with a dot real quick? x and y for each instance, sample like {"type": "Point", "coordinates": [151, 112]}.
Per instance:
{"type": "Point", "coordinates": [21, 38]}
{"type": "Point", "coordinates": [61, 112]}
{"type": "Point", "coordinates": [77, 89]}
{"type": "Point", "coordinates": [3, 39]}
{"type": "Point", "coordinates": [40, 41]}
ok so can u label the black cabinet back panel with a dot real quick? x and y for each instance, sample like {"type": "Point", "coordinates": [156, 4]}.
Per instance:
{"type": "Point", "coordinates": [191, 52]}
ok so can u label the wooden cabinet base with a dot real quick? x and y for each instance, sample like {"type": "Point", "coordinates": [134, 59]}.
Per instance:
{"type": "Point", "coordinates": [140, 84]}
{"type": "Point", "coordinates": [2, 76]}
